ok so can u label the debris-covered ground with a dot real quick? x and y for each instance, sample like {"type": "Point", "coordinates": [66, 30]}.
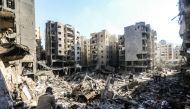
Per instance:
{"type": "Point", "coordinates": [108, 91]}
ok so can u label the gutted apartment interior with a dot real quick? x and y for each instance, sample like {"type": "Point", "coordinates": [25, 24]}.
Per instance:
{"type": "Point", "coordinates": [136, 48]}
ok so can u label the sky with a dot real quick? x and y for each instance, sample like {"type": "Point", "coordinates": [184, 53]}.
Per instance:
{"type": "Point", "coordinates": [90, 16]}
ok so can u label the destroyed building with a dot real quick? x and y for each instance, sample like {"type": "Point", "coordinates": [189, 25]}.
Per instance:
{"type": "Point", "coordinates": [137, 47]}
{"type": "Point", "coordinates": [85, 51]}
{"type": "Point", "coordinates": [17, 53]}
{"type": "Point", "coordinates": [19, 18]}
{"type": "Point", "coordinates": [184, 21]}
{"type": "Point", "coordinates": [62, 45]}
{"type": "Point", "coordinates": [38, 43]}
{"type": "Point", "coordinates": [100, 44]}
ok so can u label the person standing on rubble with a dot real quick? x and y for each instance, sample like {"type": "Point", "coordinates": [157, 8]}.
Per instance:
{"type": "Point", "coordinates": [47, 101]}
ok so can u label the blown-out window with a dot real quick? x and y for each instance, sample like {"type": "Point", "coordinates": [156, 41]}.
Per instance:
{"type": "Point", "coordinates": [1, 2]}
{"type": "Point", "coordinates": [11, 4]}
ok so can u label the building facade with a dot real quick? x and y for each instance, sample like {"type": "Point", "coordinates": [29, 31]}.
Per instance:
{"type": "Point", "coordinates": [164, 52]}
{"type": "Point", "coordinates": [38, 43]}
{"type": "Point", "coordinates": [85, 51]}
{"type": "Point", "coordinates": [100, 44]}
{"type": "Point", "coordinates": [136, 48]}
{"type": "Point", "coordinates": [176, 52]}
{"type": "Point", "coordinates": [184, 21]}
{"type": "Point", "coordinates": [54, 44]}
{"type": "Point", "coordinates": [62, 45]}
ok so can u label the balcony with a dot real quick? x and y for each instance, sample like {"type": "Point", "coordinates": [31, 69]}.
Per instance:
{"type": "Point", "coordinates": [70, 33]}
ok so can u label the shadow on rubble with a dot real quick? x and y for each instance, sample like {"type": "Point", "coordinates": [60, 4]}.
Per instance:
{"type": "Point", "coordinates": [168, 92]}
{"type": "Point", "coordinates": [143, 91]}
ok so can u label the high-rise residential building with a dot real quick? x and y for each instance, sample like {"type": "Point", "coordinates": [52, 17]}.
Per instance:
{"type": "Point", "coordinates": [62, 45]}
{"type": "Point", "coordinates": [121, 44]}
{"type": "Point", "coordinates": [136, 49]}
{"type": "Point", "coordinates": [38, 43]}
{"type": "Point", "coordinates": [176, 52]}
{"type": "Point", "coordinates": [18, 17]}
{"type": "Point", "coordinates": [113, 51]}
{"type": "Point", "coordinates": [85, 51]}
{"type": "Point", "coordinates": [17, 32]}
{"type": "Point", "coordinates": [164, 52]}
{"type": "Point", "coordinates": [100, 44]}
{"type": "Point", "coordinates": [184, 21]}
{"type": "Point", "coordinates": [25, 29]}
{"type": "Point", "coordinates": [54, 44]}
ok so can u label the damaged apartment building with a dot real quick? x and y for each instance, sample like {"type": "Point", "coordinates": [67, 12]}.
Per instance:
{"type": "Point", "coordinates": [164, 52]}
{"type": "Point", "coordinates": [17, 51]}
{"type": "Point", "coordinates": [103, 50]}
{"type": "Point", "coordinates": [136, 48]}
{"type": "Point", "coordinates": [18, 25]}
{"type": "Point", "coordinates": [63, 46]}
{"type": "Point", "coordinates": [184, 21]}
{"type": "Point", "coordinates": [85, 52]}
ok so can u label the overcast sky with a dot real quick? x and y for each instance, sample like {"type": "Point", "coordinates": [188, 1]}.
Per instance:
{"type": "Point", "coordinates": [94, 15]}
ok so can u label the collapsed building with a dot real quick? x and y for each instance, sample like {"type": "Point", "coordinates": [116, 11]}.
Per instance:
{"type": "Point", "coordinates": [184, 21]}
{"type": "Point", "coordinates": [136, 49]}
{"type": "Point", "coordinates": [17, 53]}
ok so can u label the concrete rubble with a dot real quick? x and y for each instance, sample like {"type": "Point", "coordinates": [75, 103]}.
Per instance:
{"type": "Point", "coordinates": [108, 91]}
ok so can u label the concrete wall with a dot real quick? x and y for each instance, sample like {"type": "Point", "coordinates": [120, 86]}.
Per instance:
{"type": "Point", "coordinates": [25, 29]}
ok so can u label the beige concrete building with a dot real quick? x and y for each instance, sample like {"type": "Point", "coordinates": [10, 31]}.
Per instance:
{"type": "Point", "coordinates": [164, 52]}
{"type": "Point", "coordinates": [184, 21]}
{"type": "Point", "coordinates": [25, 29]}
{"type": "Point", "coordinates": [38, 43]}
{"type": "Point", "coordinates": [54, 44]}
{"type": "Point", "coordinates": [176, 52]}
{"type": "Point", "coordinates": [121, 46]}
{"type": "Point", "coordinates": [19, 18]}
{"type": "Point", "coordinates": [62, 45]}
{"type": "Point", "coordinates": [137, 48]}
{"type": "Point", "coordinates": [85, 51]}
{"type": "Point", "coordinates": [100, 48]}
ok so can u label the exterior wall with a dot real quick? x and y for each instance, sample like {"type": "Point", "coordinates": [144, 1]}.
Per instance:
{"type": "Point", "coordinates": [63, 45]}
{"type": "Point", "coordinates": [25, 30]}
{"type": "Point", "coordinates": [139, 47]}
{"type": "Point", "coordinates": [100, 49]}
{"type": "Point", "coordinates": [87, 51]}
{"type": "Point", "coordinates": [113, 51]}
{"type": "Point", "coordinates": [70, 43]}
{"type": "Point", "coordinates": [176, 52]}
{"type": "Point", "coordinates": [77, 47]}
{"type": "Point", "coordinates": [121, 42]}
{"type": "Point", "coordinates": [38, 43]}
{"type": "Point", "coordinates": [164, 52]}
{"type": "Point", "coordinates": [54, 43]}
{"type": "Point", "coordinates": [184, 21]}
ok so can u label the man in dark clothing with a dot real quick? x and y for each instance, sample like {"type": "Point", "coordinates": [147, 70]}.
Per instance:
{"type": "Point", "coordinates": [47, 101]}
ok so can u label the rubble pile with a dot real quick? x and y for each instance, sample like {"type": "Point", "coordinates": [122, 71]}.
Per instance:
{"type": "Point", "coordinates": [85, 89]}
{"type": "Point", "coordinates": [100, 91]}
{"type": "Point", "coordinates": [168, 93]}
